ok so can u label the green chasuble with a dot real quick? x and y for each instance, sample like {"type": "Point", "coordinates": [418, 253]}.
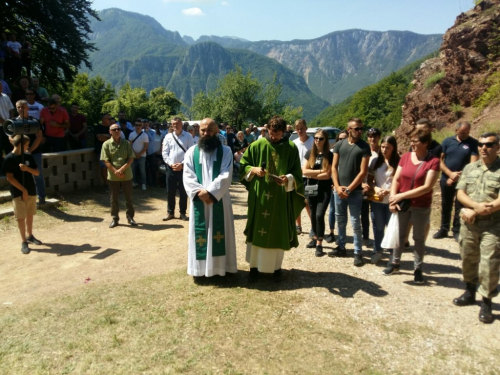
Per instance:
{"type": "Point", "coordinates": [271, 210]}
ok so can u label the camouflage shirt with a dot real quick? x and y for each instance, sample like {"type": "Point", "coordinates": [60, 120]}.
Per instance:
{"type": "Point", "coordinates": [480, 183]}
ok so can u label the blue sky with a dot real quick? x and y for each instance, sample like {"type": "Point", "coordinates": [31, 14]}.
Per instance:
{"type": "Point", "coordinates": [294, 19]}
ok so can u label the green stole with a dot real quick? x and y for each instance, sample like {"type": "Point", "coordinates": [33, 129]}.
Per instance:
{"type": "Point", "coordinates": [200, 227]}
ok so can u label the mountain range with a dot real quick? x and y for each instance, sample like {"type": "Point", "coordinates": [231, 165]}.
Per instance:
{"type": "Point", "coordinates": [314, 73]}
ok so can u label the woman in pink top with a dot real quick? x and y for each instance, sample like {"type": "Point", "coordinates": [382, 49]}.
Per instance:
{"type": "Point", "coordinates": [417, 173]}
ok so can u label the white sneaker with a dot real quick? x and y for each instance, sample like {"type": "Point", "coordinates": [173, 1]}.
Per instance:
{"type": "Point", "coordinates": [143, 186]}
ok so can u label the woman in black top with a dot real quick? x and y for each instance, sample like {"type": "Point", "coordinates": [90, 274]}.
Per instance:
{"type": "Point", "coordinates": [317, 169]}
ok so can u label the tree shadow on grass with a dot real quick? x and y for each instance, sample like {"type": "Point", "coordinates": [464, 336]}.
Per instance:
{"type": "Point", "coordinates": [336, 283]}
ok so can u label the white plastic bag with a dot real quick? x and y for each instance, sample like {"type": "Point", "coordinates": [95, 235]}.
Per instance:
{"type": "Point", "coordinates": [391, 236]}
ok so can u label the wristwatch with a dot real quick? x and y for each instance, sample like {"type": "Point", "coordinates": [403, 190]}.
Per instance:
{"type": "Point", "coordinates": [347, 191]}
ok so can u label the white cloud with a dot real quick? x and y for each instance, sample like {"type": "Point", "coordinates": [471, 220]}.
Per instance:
{"type": "Point", "coordinates": [193, 12]}
{"type": "Point", "coordinates": [224, 3]}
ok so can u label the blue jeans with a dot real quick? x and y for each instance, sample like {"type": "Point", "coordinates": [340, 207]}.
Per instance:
{"type": "Point", "coordinates": [331, 214]}
{"type": "Point", "coordinates": [380, 219]}
{"type": "Point", "coordinates": [353, 201]}
{"type": "Point", "coordinates": [39, 180]}
{"type": "Point", "coordinates": [139, 167]}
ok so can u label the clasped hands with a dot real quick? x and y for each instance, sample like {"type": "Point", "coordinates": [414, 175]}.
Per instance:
{"type": "Point", "coordinates": [205, 197]}
{"type": "Point", "coordinates": [469, 214]}
{"type": "Point", "coordinates": [119, 173]}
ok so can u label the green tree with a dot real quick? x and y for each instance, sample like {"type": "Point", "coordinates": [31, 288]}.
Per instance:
{"type": "Point", "coordinates": [163, 104]}
{"type": "Point", "coordinates": [239, 98]}
{"type": "Point", "coordinates": [133, 101]}
{"type": "Point", "coordinates": [90, 94]}
{"type": "Point", "coordinates": [58, 31]}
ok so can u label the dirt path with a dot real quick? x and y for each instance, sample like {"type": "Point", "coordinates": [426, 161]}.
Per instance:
{"type": "Point", "coordinates": [80, 250]}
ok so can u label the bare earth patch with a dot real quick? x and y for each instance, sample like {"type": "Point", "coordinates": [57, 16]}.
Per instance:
{"type": "Point", "coordinates": [100, 300]}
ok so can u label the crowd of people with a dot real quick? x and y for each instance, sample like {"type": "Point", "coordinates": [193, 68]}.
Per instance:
{"type": "Point", "coordinates": [365, 181]}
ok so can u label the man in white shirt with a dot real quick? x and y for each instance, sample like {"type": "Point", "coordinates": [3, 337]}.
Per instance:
{"type": "Point", "coordinates": [140, 142]}
{"type": "Point", "coordinates": [175, 146]}
{"type": "Point", "coordinates": [34, 108]}
{"type": "Point", "coordinates": [304, 143]}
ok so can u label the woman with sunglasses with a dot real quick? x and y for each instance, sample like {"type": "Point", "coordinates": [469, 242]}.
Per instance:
{"type": "Point", "coordinates": [380, 174]}
{"type": "Point", "coordinates": [417, 173]}
{"type": "Point", "coordinates": [317, 168]}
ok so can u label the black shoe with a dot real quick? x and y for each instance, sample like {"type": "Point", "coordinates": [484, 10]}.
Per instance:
{"type": "Point", "coordinates": [131, 221]}
{"type": "Point", "coordinates": [168, 217]}
{"type": "Point", "coordinates": [311, 244]}
{"type": "Point", "coordinates": [418, 278]}
{"type": "Point", "coordinates": [319, 251]}
{"type": "Point", "coordinates": [277, 276]}
{"type": "Point", "coordinates": [184, 217]}
{"type": "Point", "coordinates": [114, 223]}
{"type": "Point", "coordinates": [442, 233]}
{"type": "Point", "coordinates": [456, 236]}
{"type": "Point", "coordinates": [33, 240]}
{"type": "Point", "coordinates": [24, 248]}
{"type": "Point", "coordinates": [338, 252]}
{"type": "Point", "coordinates": [391, 269]}
{"type": "Point", "coordinates": [330, 238]}
{"type": "Point", "coordinates": [485, 314]}
{"type": "Point", "coordinates": [253, 276]}
{"type": "Point", "coordinates": [358, 260]}
{"type": "Point", "coordinates": [468, 298]}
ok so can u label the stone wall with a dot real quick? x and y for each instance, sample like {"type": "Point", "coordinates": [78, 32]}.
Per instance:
{"type": "Point", "coordinates": [71, 170]}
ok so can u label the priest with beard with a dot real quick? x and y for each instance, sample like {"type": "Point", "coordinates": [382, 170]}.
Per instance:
{"type": "Point", "coordinates": [271, 171]}
{"type": "Point", "coordinates": [208, 170]}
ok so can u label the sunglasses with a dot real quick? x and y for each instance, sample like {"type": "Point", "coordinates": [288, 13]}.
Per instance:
{"type": "Point", "coordinates": [357, 129]}
{"type": "Point", "coordinates": [319, 138]}
{"type": "Point", "coordinates": [487, 144]}
{"type": "Point", "coordinates": [115, 129]}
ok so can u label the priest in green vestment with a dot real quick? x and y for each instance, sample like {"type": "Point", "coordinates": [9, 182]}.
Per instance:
{"type": "Point", "coordinates": [271, 171]}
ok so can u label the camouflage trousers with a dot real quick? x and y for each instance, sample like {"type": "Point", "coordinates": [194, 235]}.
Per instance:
{"type": "Point", "coordinates": [480, 251]}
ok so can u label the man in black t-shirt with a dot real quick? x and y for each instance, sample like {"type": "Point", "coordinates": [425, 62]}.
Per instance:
{"type": "Point", "coordinates": [349, 169]}
{"type": "Point", "coordinates": [458, 151]}
{"type": "Point", "coordinates": [20, 169]}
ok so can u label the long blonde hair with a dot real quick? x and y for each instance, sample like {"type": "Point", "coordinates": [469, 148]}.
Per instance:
{"type": "Point", "coordinates": [315, 151]}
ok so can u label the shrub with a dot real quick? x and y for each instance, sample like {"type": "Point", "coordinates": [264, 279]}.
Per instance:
{"type": "Point", "coordinates": [433, 80]}
{"type": "Point", "coordinates": [490, 97]}
{"type": "Point", "coordinates": [442, 134]}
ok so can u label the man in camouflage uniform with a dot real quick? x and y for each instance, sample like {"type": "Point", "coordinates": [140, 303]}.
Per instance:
{"type": "Point", "coordinates": [479, 192]}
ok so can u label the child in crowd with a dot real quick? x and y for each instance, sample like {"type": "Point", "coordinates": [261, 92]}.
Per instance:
{"type": "Point", "coordinates": [20, 170]}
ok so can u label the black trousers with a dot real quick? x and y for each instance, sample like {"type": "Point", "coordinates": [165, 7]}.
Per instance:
{"type": "Point", "coordinates": [318, 206]}
{"type": "Point", "coordinates": [151, 169]}
{"type": "Point", "coordinates": [365, 218]}
{"type": "Point", "coordinates": [114, 189]}
{"type": "Point", "coordinates": [448, 194]}
{"type": "Point", "coordinates": [174, 182]}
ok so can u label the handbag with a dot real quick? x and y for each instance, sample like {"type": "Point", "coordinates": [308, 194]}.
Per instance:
{"type": "Point", "coordinates": [404, 205]}
{"type": "Point", "coordinates": [311, 191]}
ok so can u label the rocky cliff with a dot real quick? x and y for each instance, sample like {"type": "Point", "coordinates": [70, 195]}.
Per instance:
{"type": "Point", "coordinates": [460, 82]}
{"type": "Point", "coordinates": [338, 64]}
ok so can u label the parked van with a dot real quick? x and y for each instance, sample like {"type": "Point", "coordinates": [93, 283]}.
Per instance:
{"type": "Point", "coordinates": [332, 134]}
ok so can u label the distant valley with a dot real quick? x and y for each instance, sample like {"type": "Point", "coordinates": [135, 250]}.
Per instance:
{"type": "Point", "coordinates": [314, 73]}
